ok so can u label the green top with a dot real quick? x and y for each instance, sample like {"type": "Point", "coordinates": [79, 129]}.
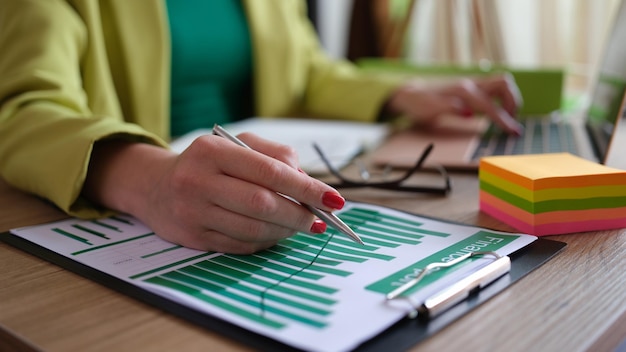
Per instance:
{"type": "Point", "coordinates": [211, 77]}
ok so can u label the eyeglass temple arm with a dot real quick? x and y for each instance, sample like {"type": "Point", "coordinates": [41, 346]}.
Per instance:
{"type": "Point", "coordinates": [330, 167]}
{"type": "Point", "coordinates": [337, 174]}
{"type": "Point", "coordinates": [418, 164]}
{"type": "Point", "coordinates": [394, 185]}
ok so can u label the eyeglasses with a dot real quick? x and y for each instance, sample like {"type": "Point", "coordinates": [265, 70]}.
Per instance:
{"type": "Point", "coordinates": [397, 184]}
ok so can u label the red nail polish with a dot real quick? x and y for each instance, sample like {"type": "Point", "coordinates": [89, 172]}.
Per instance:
{"type": "Point", "coordinates": [333, 200]}
{"type": "Point", "coordinates": [467, 112]}
{"type": "Point", "coordinates": [318, 226]}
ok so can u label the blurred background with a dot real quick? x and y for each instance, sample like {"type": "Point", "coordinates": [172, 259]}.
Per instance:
{"type": "Point", "coordinates": [529, 34]}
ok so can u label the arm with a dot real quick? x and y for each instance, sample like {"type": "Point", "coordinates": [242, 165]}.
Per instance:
{"type": "Point", "coordinates": [49, 118]}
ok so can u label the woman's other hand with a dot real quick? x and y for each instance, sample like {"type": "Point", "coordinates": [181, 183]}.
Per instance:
{"type": "Point", "coordinates": [496, 97]}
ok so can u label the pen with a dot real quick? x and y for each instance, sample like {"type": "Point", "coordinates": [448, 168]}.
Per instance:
{"type": "Point", "coordinates": [328, 217]}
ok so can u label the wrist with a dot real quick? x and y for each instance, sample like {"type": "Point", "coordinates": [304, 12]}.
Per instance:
{"type": "Point", "coordinates": [122, 175]}
{"type": "Point", "coordinates": [397, 100]}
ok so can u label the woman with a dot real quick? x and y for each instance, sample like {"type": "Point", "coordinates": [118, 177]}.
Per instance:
{"type": "Point", "coordinates": [91, 92]}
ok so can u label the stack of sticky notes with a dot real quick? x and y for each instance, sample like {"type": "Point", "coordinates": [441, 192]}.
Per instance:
{"type": "Point", "coordinates": [552, 194]}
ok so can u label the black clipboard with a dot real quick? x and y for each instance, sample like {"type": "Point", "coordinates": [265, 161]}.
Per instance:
{"type": "Point", "coordinates": [399, 337]}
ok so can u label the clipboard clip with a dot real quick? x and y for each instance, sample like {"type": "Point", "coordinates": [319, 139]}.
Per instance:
{"type": "Point", "coordinates": [457, 292]}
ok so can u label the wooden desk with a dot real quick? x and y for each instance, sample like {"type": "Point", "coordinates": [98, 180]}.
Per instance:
{"type": "Point", "coordinates": [575, 302]}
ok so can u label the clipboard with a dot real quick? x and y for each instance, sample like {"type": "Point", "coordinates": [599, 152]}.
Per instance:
{"type": "Point", "coordinates": [400, 336]}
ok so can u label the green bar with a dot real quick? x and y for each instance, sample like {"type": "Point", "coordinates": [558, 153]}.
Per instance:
{"type": "Point", "coordinates": [360, 216]}
{"type": "Point", "coordinates": [93, 232]}
{"type": "Point", "coordinates": [209, 286]}
{"type": "Point", "coordinates": [268, 255]}
{"type": "Point", "coordinates": [294, 263]}
{"type": "Point", "coordinates": [161, 251]}
{"type": "Point", "coordinates": [379, 243]}
{"type": "Point", "coordinates": [255, 269]}
{"type": "Point", "coordinates": [241, 275]}
{"type": "Point", "coordinates": [250, 259]}
{"type": "Point", "coordinates": [394, 239]}
{"type": "Point", "coordinates": [110, 227]}
{"type": "Point", "coordinates": [293, 245]}
{"type": "Point", "coordinates": [113, 243]}
{"type": "Point", "coordinates": [235, 284]}
{"type": "Point", "coordinates": [122, 220]}
{"type": "Point", "coordinates": [218, 303]}
{"type": "Point", "coordinates": [327, 270]}
{"type": "Point", "coordinates": [375, 216]}
{"type": "Point", "coordinates": [192, 281]}
{"type": "Point", "coordinates": [432, 233]}
{"type": "Point", "coordinates": [170, 265]}
{"type": "Point", "coordinates": [343, 240]}
{"type": "Point", "coordinates": [347, 258]}
{"type": "Point", "coordinates": [332, 255]}
{"type": "Point", "coordinates": [331, 246]}
{"type": "Point", "coordinates": [74, 237]}
{"type": "Point", "coordinates": [293, 271]}
{"type": "Point", "coordinates": [392, 231]}
{"type": "Point", "coordinates": [282, 249]}
{"type": "Point", "coordinates": [287, 269]}
{"type": "Point", "coordinates": [285, 248]}
{"type": "Point", "coordinates": [311, 267]}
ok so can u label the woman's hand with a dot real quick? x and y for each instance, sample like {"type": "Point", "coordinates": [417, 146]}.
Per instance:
{"type": "Point", "coordinates": [496, 97]}
{"type": "Point", "coordinates": [214, 196]}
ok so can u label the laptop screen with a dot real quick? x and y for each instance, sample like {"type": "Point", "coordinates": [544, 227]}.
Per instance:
{"type": "Point", "coordinates": [606, 101]}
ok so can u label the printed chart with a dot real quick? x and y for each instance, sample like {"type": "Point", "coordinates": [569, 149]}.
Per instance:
{"type": "Point", "coordinates": [308, 291]}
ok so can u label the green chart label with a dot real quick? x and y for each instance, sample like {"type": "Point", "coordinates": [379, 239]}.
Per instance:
{"type": "Point", "coordinates": [481, 241]}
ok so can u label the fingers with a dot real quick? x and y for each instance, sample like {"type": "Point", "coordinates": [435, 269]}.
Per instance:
{"type": "Point", "coordinates": [220, 196]}
{"type": "Point", "coordinates": [269, 173]}
{"type": "Point", "coordinates": [503, 89]}
{"type": "Point", "coordinates": [261, 204]}
{"type": "Point", "coordinates": [480, 100]}
{"type": "Point", "coordinates": [230, 232]}
{"type": "Point", "coordinates": [202, 224]}
{"type": "Point", "coordinates": [272, 149]}
{"type": "Point", "coordinates": [215, 241]}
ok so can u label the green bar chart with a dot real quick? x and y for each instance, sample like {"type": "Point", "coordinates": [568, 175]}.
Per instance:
{"type": "Point", "coordinates": [279, 286]}
{"type": "Point", "coordinates": [307, 291]}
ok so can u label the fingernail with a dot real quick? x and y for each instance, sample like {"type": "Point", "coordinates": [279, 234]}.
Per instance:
{"type": "Point", "coordinates": [333, 200]}
{"type": "Point", "coordinates": [318, 226]}
{"type": "Point", "coordinates": [467, 112]}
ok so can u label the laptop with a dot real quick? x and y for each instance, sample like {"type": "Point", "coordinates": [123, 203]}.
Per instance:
{"type": "Point", "coordinates": [592, 133]}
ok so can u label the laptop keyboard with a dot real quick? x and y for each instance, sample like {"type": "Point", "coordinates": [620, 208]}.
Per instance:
{"type": "Point", "coordinates": [544, 135]}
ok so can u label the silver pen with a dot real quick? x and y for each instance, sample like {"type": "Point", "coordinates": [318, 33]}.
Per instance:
{"type": "Point", "coordinates": [328, 217]}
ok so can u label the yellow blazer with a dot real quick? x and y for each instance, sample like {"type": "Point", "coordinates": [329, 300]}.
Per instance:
{"type": "Point", "coordinates": [78, 71]}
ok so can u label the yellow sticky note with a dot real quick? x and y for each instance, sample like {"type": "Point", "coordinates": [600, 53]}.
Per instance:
{"type": "Point", "coordinates": [554, 170]}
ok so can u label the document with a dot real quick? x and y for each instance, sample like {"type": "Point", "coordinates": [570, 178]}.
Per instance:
{"type": "Point", "coordinates": [312, 292]}
{"type": "Point", "coordinates": [341, 141]}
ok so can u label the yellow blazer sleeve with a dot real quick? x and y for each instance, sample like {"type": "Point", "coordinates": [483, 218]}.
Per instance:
{"type": "Point", "coordinates": [293, 74]}
{"type": "Point", "coordinates": [49, 120]}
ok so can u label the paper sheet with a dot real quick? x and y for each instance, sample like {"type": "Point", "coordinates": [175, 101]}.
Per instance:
{"type": "Point", "coordinates": [341, 141]}
{"type": "Point", "coordinates": [295, 292]}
